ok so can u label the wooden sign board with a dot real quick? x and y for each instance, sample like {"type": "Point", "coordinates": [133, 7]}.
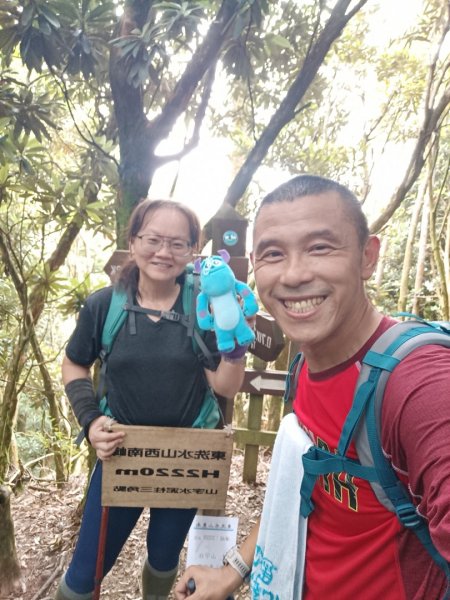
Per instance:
{"type": "Point", "coordinates": [269, 339]}
{"type": "Point", "coordinates": [229, 234]}
{"type": "Point", "coordinates": [168, 467]}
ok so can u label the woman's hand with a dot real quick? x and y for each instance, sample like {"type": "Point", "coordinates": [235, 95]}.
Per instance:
{"type": "Point", "coordinates": [103, 439]}
{"type": "Point", "coordinates": [210, 584]}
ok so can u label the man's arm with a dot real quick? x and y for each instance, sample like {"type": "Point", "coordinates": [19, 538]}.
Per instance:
{"type": "Point", "coordinates": [217, 584]}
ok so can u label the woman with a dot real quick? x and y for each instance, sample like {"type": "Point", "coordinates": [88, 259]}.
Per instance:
{"type": "Point", "coordinates": [154, 377]}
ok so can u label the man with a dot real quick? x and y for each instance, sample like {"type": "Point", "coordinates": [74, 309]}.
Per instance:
{"type": "Point", "coordinates": [312, 254]}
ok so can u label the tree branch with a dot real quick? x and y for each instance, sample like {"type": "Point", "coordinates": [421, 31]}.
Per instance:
{"type": "Point", "coordinates": [287, 110]}
{"type": "Point", "coordinates": [430, 126]}
{"type": "Point", "coordinates": [198, 121]}
{"type": "Point", "coordinates": [205, 56]}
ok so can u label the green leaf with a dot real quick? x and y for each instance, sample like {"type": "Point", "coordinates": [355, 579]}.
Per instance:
{"type": "Point", "coordinates": [27, 16]}
{"type": "Point", "coordinates": [4, 171]}
{"type": "Point", "coordinates": [44, 25]}
{"type": "Point", "coordinates": [50, 16]}
{"type": "Point", "coordinates": [279, 40]}
{"type": "Point", "coordinates": [8, 39]}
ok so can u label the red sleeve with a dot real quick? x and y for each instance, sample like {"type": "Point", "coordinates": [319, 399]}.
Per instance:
{"type": "Point", "coordinates": [416, 434]}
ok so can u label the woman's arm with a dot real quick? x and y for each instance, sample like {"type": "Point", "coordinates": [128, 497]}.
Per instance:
{"type": "Point", "coordinates": [228, 377]}
{"type": "Point", "coordinates": [80, 391]}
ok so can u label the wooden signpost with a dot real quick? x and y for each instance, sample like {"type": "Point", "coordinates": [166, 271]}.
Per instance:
{"type": "Point", "coordinates": [269, 339]}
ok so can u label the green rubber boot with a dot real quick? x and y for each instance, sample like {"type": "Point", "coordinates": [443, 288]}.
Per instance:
{"type": "Point", "coordinates": [156, 585]}
{"type": "Point", "coordinates": [65, 593]}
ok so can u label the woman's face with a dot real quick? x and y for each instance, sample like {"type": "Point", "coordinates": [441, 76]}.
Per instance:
{"type": "Point", "coordinates": [162, 247]}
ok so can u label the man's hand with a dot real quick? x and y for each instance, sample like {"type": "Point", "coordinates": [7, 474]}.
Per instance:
{"type": "Point", "coordinates": [103, 439]}
{"type": "Point", "coordinates": [210, 584]}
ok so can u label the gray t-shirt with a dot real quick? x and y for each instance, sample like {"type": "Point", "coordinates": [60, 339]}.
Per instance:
{"type": "Point", "coordinates": [153, 377]}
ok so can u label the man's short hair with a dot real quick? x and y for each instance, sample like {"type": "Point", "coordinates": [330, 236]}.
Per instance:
{"type": "Point", "coordinates": [315, 185]}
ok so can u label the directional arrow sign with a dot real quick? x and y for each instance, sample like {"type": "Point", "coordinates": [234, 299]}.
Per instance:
{"type": "Point", "coordinates": [268, 384]}
{"type": "Point", "coordinates": [262, 382]}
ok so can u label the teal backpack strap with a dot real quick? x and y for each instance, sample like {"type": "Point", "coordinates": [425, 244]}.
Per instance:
{"type": "Point", "coordinates": [115, 318]}
{"type": "Point", "coordinates": [191, 289]}
{"type": "Point", "coordinates": [291, 381]}
{"type": "Point", "coordinates": [317, 461]}
{"type": "Point", "coordinates": [394, 345]}
{"type": "Point", "coordinates": [210, 412]}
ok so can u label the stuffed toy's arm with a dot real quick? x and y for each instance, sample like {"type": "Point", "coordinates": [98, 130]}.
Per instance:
{"type": "Point", "coordinates": [250, 305]}
{"type": "Point", "coordinates": [204, 317]}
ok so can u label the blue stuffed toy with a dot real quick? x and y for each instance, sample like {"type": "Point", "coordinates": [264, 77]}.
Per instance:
{"type": "Point", "coordinates": [219, 290]}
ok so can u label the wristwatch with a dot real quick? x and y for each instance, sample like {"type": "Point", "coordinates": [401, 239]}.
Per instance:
{"type": "Point", "coordinates": [233, 558]}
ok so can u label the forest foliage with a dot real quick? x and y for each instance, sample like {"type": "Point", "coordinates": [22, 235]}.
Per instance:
{"type": "Point", "coordinates": [91, 88]}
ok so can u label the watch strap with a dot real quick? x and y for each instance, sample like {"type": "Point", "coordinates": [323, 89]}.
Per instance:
{"type": "Point", "coordinates": [234, 558]}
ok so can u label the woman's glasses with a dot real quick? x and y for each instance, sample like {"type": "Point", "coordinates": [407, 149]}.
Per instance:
{"type": "Point", "coordinates": [154, 243]}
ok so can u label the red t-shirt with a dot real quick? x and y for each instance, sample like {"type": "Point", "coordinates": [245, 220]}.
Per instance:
{"type": "Point", "coordinates": [355, 547]}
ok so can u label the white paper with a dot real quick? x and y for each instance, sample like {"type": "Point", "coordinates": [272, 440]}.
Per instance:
{"type": "Point", "coordinates": [209, 539]}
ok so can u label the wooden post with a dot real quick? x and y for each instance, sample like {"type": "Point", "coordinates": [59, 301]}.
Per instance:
{"type": "Point", "coordinates": [254, 424]}
{"type": "Point", "coordinates": [229, 231]}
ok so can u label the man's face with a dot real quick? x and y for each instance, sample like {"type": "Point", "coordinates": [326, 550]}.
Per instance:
{"type": "Point", "coordinates": [310, 271]}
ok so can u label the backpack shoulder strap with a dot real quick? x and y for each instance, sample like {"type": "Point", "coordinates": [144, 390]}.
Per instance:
{"type": "Point", "coordinates": [292, 376]}
{"type": "Point", "coordinates": [114, 319]}
{"type": "Point", "coordinates": [388, 350]}
{"type": "Point", "coordinates": [191, 289]}
{"type": "Point", "coordinates": [386, 353]}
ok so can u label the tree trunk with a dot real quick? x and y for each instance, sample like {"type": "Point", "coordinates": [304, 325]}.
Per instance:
{"type": "Point", "coordinates": [10, 570]}
{"type": "Point", "coordinates": [447, 263]}
{"type": "Point", "coordinates": [408, 256]}
{"type": "Point", "coordinates": [439, 261]}
{"type": "Point", "coordinates": [53, 410]}
{"type": "Point", "coordinates": [9, 404]}
{"type": "Point", "coordinates": [379, 273]}
{"type": "Point", "coordinates": [420, 268]}
{"type": "Point", "coordinates": [139, 137]}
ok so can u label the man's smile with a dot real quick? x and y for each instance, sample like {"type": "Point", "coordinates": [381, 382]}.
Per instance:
{"type": "Point", "coordinates": [303, 306]}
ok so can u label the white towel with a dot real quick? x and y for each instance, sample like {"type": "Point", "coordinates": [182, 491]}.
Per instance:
{"type": "Point", "coordinates": [277, 571]}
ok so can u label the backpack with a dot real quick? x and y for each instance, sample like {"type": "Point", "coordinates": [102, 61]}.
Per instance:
{"type": "Point", "coordinates": [121, 308]}
{"type": "Point", "coordinates": [363, 426]}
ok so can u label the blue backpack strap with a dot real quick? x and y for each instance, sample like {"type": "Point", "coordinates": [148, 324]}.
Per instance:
{"type": "Point", "coordinates": [191, 289]}
{"type": "Point", "coordinates": [387, 352]}
{"type": "Point", "coordinates": [317, 461]}
{"type": "Point", "coordinates": [291, 381]}
{"type": "Point", "coordinates": [115, 318]}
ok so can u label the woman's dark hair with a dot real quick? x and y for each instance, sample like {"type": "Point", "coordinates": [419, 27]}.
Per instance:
{"type": "Point", "coordinates": [129, 273]}
{"type": "Point", "coordinates": [315, 185]}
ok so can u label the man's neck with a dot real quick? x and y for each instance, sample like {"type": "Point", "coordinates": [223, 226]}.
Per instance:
{"type": "Point", "coordinates": [333, 352]}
